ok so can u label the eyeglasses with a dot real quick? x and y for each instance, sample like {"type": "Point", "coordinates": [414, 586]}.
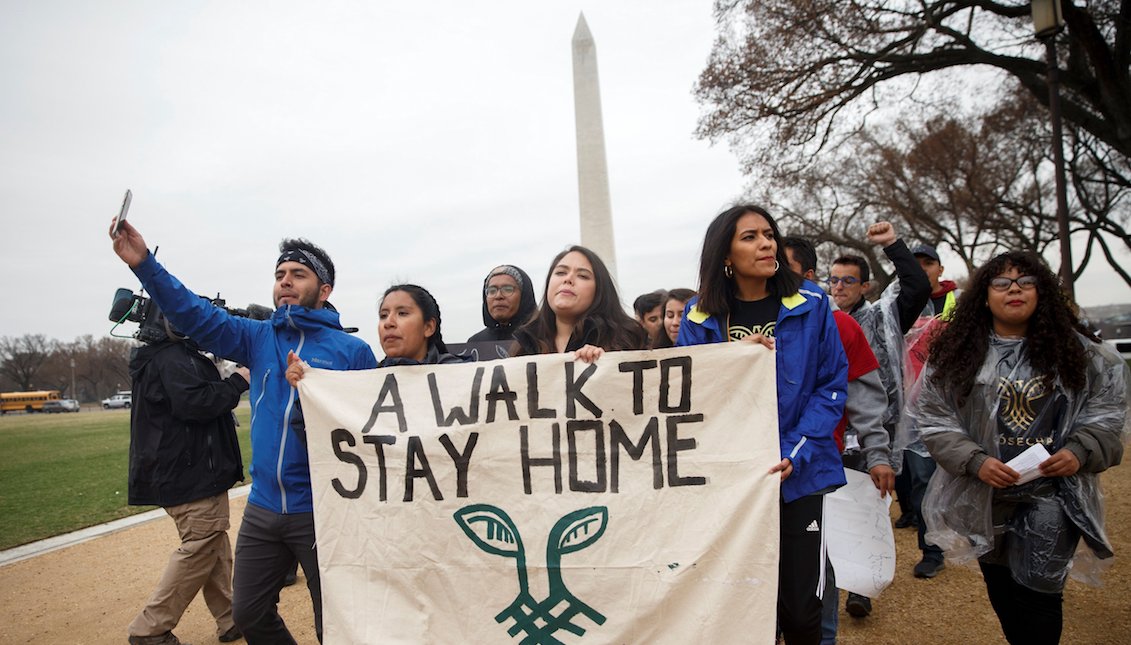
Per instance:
{"type": "Point", "coordinates": [506, 290]}
{"type": "Point", "coordinates": [1026, 282]}
{"type": "Point", "coordinates": [848, 280]}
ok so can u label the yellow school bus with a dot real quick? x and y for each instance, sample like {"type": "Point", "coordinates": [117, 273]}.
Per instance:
{"type": "Point", "coordinates": [26, 401]}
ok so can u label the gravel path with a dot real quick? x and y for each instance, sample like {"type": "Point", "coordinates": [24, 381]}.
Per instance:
{"type": "Point", "coordinates": [89, 592]}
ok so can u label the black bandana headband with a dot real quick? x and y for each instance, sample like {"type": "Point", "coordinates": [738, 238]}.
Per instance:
{"type": "Point", "coordinates": [307, 260]}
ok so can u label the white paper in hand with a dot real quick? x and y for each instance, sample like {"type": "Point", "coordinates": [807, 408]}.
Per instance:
{"type": "Point", "coordinates": [1027, 464]}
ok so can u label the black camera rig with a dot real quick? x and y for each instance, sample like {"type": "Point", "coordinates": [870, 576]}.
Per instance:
{"type": "Point", "coordinates": [153, 326]}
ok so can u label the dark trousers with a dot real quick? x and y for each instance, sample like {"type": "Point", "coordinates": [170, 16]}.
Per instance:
{"type": "Point", "coordinates": [920, 469]}
{"type": "Point", "coordinates": [801, 568]}
{"type": "Point", "coordinates": [266, 550]}
{"type": "Point", "coordinates": [903, 489]}
{"type": "Point", "coordinates": [1026, 616]}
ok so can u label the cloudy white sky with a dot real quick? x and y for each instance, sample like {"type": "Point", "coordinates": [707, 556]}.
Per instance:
{"type": "Point", "coordinates": [419, 142]}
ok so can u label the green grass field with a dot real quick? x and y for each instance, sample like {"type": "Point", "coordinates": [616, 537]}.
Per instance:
{"type": "Point", "coordinates": [62, 472]}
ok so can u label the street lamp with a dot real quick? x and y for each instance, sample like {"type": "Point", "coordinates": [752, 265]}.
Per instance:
{"type": "Point", "coordinates": [74, 392]}
{"type": "Point", "coordinates": [1048, 21]}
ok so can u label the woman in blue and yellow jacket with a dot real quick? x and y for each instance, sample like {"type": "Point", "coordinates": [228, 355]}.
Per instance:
{"type": "Point", "coordinates": [748, 293]}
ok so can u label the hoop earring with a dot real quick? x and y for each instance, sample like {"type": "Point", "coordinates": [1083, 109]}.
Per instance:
{"type": "Point", "coordinates": [777, 265]}
{"type": "Point", "coordinates": [728, 271]}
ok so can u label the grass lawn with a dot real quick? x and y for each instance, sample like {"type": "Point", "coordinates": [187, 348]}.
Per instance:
{"type": "Point", "coordinates": [62, 472]}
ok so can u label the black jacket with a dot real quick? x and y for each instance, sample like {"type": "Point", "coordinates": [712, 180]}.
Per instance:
{"type": "Point", "coordinates": [914, 286]}
{"type": "Point", "coordinates": [432, 357]}
{"type": "Point", "coordinates": [527, 345]}
{"type": "Point", "coordinates": [183, 444]}
{"type": "Point", "coordinates": [505, 331]}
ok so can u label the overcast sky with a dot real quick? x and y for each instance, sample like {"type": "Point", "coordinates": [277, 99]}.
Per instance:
{"type": "Point", "coordinates": [416, 142]}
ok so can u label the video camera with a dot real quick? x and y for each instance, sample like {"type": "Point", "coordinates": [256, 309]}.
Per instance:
{"type": "Point", "coordinates": [154, 327]}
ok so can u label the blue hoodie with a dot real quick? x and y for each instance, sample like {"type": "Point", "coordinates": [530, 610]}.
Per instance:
{"type": "Point", "coordinates": [812, 381]}
{"type": "Point", "coordinates": [280, 466]}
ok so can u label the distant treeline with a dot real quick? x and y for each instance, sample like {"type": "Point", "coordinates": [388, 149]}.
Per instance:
{"type": "Point", "coordinates": [87, 369]}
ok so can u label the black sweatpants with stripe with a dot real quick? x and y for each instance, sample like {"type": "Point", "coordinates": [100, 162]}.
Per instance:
{"type": "Point", "coordinates": [801, 570]}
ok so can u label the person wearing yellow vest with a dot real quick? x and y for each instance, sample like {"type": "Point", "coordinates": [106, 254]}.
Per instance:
{"type": "Point", "coordinates": [918, 464]}
{"type": "Point", "coordinates": [944, 293]}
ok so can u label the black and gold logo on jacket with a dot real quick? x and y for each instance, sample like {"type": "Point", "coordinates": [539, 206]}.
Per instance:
{"type": "Point", "coordinates": [1021, 401]}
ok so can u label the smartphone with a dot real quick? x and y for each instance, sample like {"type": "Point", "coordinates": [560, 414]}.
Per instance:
{"type": "Point", "coordinates": [122, 213]}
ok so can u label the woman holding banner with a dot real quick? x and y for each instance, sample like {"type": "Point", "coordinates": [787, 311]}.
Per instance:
{"type": "Point", "coordinates": [747, 293]}
{"type": "Point", "coordinates": [580, 311]}
{"type": "Point", "coordinates": [409, 329]}
{"type": "Point", "coordinates": [1015, 378]}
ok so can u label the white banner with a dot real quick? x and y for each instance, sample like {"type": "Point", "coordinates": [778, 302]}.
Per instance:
{"type": "Point", "coordinates": [541, 500]}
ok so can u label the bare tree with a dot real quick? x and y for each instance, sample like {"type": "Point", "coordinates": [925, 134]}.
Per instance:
{"type": "Point", "coordinates": [974, 185]}
{"type": "Point", "coordinates": [21, 358]}
{"type": "Point", "coordinates": [790, 80]}
{"type": "Point", "coordinates": [102, 365]}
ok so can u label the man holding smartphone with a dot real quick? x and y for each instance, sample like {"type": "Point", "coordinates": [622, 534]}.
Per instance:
{"type": "Point", "coordinates": [278, 522]}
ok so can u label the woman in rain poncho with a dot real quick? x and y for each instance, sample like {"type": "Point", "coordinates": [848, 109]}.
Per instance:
{"type": "Point", "coordinates": [1011, 371]}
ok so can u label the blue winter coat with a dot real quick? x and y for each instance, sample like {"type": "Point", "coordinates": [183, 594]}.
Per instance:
{"type": "Point", "coordinates": [280, 466]}
{"type": "Point", "coordinates": [812, 380]}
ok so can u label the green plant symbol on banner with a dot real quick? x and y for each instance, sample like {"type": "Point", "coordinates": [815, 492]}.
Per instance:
{"type": "Point", "coordinates": [493, 531]}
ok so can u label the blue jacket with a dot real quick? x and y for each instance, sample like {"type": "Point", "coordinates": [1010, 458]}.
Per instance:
{"type": "Point", "coordinates": [280, 467]}
{"type": "Point", "coordinates": [812, 380]}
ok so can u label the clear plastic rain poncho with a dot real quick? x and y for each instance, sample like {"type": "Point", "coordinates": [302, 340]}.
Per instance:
{"type": "Point", "coordinates": [880, 322]}
{"type": "Point", "coordinates": [1034, 528]}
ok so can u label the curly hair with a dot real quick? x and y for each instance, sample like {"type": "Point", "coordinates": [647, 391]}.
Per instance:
{"type": "Point", "coordinates": [958, 349]}
{"type": "Point", "coordinates": [614, 329]}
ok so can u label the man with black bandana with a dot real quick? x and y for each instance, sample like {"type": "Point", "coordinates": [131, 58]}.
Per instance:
{"type": "Point", "coordinates": [278, 523]}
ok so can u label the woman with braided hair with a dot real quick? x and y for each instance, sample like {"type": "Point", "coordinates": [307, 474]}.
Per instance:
{"type": "Point", "coordinates": [409, 329]}
{"type": "Point", "coordinates": [1014, 371]}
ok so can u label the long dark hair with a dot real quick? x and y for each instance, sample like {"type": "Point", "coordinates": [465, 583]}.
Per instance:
{"type": "Point", "coordinates": [715, 289]}
{"type": "Point", "coordinates": [612, 328]}
{"type": "Point", "coordinates": [429, 308]}
{"type": "Point", "coordinates": [959, 348]}
{"type": "Point", "coordinates": [679, 295]}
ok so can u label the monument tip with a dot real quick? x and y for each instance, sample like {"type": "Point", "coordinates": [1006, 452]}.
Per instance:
{"type": "Point", "coordinates": [581, 33]}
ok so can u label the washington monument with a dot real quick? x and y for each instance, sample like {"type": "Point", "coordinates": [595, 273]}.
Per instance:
{"type": "Point", "coordinates": [592, 170]}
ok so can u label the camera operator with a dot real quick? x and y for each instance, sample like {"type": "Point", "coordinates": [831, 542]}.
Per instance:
{"type": "Point", "coordinates": [278, 521]}
{"type": "Point", "coordinates": [184, 456]}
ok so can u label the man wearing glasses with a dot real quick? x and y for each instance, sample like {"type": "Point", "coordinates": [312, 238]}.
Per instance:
{"type": "Point", "coordinates": [508, 302]}
{"type": "Point", "coordinates": [849, 281]}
